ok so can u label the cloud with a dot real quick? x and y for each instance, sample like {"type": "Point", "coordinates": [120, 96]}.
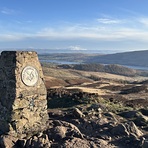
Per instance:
{"type": "Point", "coordinates": [143, 21]}
{"type": "Point", "coordinates": [108, 21]}
{"type": "Point", "coordinates": [71, 33]}
{"type": "Point", "coordinates": [92, 32]}
{"type": "Point", "coordinates": [123, 30]}
{"type": "Point", "coordinates": [12, 37]}
{"type": "Point", "coordinates": [77, 48]}
{"type": "Point", "coordinates": [8, 11]}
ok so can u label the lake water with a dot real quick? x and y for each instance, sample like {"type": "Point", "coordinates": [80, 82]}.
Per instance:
{"type": "Point", "coordinates": [60, 62]}
{"type": "Point", "coordinates": [136, 67]}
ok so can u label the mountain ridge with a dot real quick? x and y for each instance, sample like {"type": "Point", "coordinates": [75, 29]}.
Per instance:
{"type": "Point", "coordinates": [132, 58]}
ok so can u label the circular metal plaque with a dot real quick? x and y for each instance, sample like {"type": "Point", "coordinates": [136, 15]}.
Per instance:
{"type": "Point", "coordinates": [30, 76]}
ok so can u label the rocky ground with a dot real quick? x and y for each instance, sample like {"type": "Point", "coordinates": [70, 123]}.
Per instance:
{"type": "Point", "coordinates": [91, 110]}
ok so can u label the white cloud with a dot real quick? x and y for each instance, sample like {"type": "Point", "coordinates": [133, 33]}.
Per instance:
{"type": "Point", "coordinates": [143, 21]}
{"type": "Point", "coordinates": [7, 11]}
{"type": "Point", "coordinates": [77, 48]}
{"type": "Point", "coordinates": [123, 30]}
{"type": "Point", "coordinates": [92, 32]}
{"type": "Point", "coordinates": [108, 21]}
{"type": "Point", "coordinates": [11, 37]}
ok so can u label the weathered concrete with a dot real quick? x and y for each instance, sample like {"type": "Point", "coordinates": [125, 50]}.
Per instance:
{"type": "Point", "coordinates": [23, 104]}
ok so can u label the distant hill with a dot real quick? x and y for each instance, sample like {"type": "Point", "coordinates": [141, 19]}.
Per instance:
{"type": "Point", "coordinates": [134, 58]}
{"type": "Point", "coordinates": [112, 68]}
{"type": "Point", "coordinates": [66, 57]}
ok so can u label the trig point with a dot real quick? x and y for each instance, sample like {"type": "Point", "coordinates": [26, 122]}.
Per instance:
{"type": "Point", "coordinates": [23, 104]}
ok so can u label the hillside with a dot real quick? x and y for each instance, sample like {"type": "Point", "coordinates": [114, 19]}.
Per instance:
{"type": "Point", "coordinates": [66, 57]}
{"type": "Point", "coordinates": [90, 110]}
{"type": "Point", "coordinates": [134, 58]}
{"type": "Point", "coordinates": [104, 110]}
{"type": "Point", "coordinates": [112, 68]}
{"type": "Point", "coordinates": [65, 75]}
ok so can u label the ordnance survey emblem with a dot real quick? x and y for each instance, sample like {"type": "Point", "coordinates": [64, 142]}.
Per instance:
{"type": "Point", "coordinates": [30, 76]}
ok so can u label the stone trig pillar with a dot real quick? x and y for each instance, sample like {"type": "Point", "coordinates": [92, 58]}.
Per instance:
{"type": "Point", "coordinates": [23, 104]}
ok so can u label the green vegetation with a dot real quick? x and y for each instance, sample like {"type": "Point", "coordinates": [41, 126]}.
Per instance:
{"type": "Point", "coordinates": [117, 107]}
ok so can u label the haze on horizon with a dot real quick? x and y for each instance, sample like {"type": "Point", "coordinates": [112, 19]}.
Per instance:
{"type": "Point", "coordinates": [76, 25]}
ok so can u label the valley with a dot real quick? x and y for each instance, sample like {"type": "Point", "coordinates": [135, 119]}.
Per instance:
{"type": "Point", "coordinates": [109, 110]}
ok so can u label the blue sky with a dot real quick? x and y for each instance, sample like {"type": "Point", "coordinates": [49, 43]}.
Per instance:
{"type": "Point", "coordinates": [74, 24]}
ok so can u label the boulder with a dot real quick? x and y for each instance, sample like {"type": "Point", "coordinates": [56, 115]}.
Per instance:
{"type": "Point", "coordinates": [77, 113]}
{"type": "Point", "coordinates": [133, 129]}
{"type": "Point", "coordinates": [144, 111]}
{"type": "Point", "coordinates": [62, 129]}
{"type": "Point", "coordinates": [7, 141]}
{"type": "Point", "coordinates": [76, 143]}
{"type": "Point", "coordinates": [37, 142]}
{"type": "Point", "coordinates": [120, 130]}
{"type": "Point", "coordinates": [128, 114]}
{"type": "Point", "coordinates": [145, 144]}
{"type": "Point", "coordinates": [141, 120]}
{"type": "Point", "coordinates": [59, 132]}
